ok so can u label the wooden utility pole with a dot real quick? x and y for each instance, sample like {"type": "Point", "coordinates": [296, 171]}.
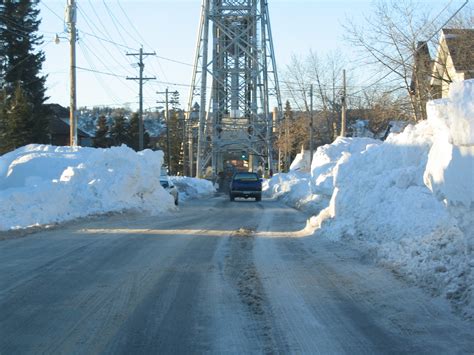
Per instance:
{"type": "Point", "coordinates": [344, 104]}
{"type": "Point", "coordinates": [140, 79]}
{"type": "Point", "coordinates": [71, 21]}
{"type": "Point", "coordinates": [167, 114]}
{"type": "Point", "coordinates": [311, 138]}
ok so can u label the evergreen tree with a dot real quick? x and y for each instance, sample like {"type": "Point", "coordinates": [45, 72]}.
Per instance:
{"type": "Point", "coordinates": [100, 139]}
{"type": "Point", "coordinates": [3, 123]}
{"type": "Point", "coordinates": [19, 120]}
{"type": "Point", "coordinates": [119, 131]}
{"type": "Point", "coordinates": [20, 67]}
{"type": "Point", "coordinates": [133, 137]}
{"type": "Point", "coordinates": [176, 132]}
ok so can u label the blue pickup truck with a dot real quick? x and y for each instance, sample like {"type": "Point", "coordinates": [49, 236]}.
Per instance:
{"type": "Point", "coordinates": [245, 185]}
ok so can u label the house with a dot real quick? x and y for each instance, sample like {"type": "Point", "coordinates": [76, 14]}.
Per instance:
{"type": "Point", "coordinates": [60, 132]}
{"type": "Point", "coordinates": [423, 65]}
{"type": "Point", "coordinates": [60, 129]}
{"type": "Point", "coordinates": [454, 60]}
{"type": "Point", "coordinates": [420, 87]}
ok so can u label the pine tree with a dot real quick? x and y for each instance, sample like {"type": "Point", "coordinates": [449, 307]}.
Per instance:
{"type": "Point", "coordinates": [19, 120]}
{"type": "Point", "coordinates": [133, 137]}
{"type": "Point", "coordinates": [101, 140]}
{"type": "Point", "coordinates": [3, 123]}
{"type": "Point", "coordinates": [119, 131]}
{"type": "Point", "coordinates": [20, 67]}
{"type": "Point", "coordinates": [176, 140]}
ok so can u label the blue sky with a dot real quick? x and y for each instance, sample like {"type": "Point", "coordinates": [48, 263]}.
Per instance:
{"type": "Point", "coordinates": [169, 27]}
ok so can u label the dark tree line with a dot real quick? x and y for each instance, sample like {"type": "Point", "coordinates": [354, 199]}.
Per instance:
{"type": "Point", "coordinates": [23, 115]}
{"type": "Point", "coordinates": [120, 131]}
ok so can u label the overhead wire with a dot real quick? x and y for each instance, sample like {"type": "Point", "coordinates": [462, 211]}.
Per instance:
{"type": "Point", "coordinates": [20, 27]}
{"type": "Point", "coordinates": [41, 47]}
{"type": "Point", "coordinates": [52, 11]}
{"type": "Point", "coordinates": [104, 86]}
{"type": "Point", "coordinates": [431, 37]}
{"type": "Point", "coordinates": [90, 24]}
{"type": "Point", "coordinates": [132, 25]}
{"type": "Point", "coordinates": [105, 36]}
{"type": "Point", "coordinates": [104, 64]}
{"type": "Point", "coordinates": [86, 52]}
{"type": "Point", "coordinates": [118, 24]}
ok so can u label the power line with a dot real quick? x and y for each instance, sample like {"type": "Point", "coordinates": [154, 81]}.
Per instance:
{"type": "Point", "coordinates": [115, 22]}
{"type": "Point", "coordinates": [101, 72]}
{"type": "Point", "coordinates": [44, 45]}
{"type": "Point", "coordinates": [111, 94]}
{"type": "Point", "coordinates": [107, 50]}
{"type": "Point", "coordinates": [140, 37]}
{"type": "Point", "coordinates": [412, 54]}
{"type": "Point", "coordinates": [52, 11]}
{"type": "Point", "coordinates": [132, 24]}
{"type": "Point", "coordinates": [140, 79]}
{"type": "Point", "coordinates": [20, 27]}
{"type": "Point", "coordinates": [175, 61]}
{"type": "Point", "coordinates": [106, 40]}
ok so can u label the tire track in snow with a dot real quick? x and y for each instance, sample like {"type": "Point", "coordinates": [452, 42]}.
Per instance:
{"type": "Point", "coordinates": [241, 271]}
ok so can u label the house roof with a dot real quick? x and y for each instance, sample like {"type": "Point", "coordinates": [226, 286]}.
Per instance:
{"type": "Point", "coordinates": [460, 44]}
{"type": "Point", "coordinates": [59, 121]}
{"type": "Point", "coordinates": [58, 126]}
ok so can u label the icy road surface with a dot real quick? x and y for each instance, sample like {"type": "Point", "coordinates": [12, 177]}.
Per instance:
{"type": "Point", "coordinates": [214, 277]}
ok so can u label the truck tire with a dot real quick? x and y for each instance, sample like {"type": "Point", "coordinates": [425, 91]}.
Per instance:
{"type": "Point", "coordinates": [258, 198]}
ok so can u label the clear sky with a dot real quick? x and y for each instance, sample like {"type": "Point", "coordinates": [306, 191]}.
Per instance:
{"type": "Point", "coordinates": [169, 27]}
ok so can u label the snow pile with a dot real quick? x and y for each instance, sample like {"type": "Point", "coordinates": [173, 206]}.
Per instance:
{"type": "Point", "coordinates": [301, 162]}
{"type": "Point", "coordinates": [409, 200]}
{"type": "Point", "coordinates": [312, 192]}
{"type": "Point", "coordinates": [326, 162]}
{"type": "Point", "coordinates": [42, 184]}
{"type": "Point", "coordinates": [293, 189]}
{"type": "Point", "coordinates": [450, 170]}
{"type": "Point", "coordinates": [190, 188]}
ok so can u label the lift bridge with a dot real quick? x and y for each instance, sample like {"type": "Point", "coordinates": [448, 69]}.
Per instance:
{"type": "Point", "coordinates": [234, 83]}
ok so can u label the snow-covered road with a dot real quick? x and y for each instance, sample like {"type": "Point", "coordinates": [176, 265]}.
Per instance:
{"type": "Point", "coordinates": [215, 276]}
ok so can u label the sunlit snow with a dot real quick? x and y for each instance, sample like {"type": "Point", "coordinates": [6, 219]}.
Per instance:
{"type": "Point", "coordinates": [408, 200]}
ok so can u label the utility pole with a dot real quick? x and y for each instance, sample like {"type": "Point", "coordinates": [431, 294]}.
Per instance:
{"type": "Point", "coordinates": [167, 114]}
{"type": "Point", "coordinates": [344, 104]}
{"type": "Point", "coordinates": [71, 21]}
{"type": "Point", "coordinates": [140, 79]}
{"type": "Point", "coordinates": [311, 138]}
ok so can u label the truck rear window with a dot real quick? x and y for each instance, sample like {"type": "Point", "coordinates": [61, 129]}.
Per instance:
{"type": "Point", "coordinates": [246, 177]}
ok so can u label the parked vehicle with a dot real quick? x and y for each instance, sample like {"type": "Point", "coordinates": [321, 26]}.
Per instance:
{"type": "Point", "coordinates": [245, 185]}
{"type": "Point", "coordinates": [169, 186]}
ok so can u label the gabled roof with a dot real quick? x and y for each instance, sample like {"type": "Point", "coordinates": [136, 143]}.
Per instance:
{"type": "Point", "coordinates": [460, 43]}
{"type": "Point", "coordinates": [59, 126]}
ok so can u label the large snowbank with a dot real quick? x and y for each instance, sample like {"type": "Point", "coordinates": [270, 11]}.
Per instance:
{"type": "Point", "coordinates": [190, 188]}
{"type": "Point", "coordinates": [42, 184]}
{"type": "Point", "coordinates": [409, 200]}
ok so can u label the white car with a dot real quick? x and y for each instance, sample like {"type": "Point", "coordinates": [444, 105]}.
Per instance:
{"type": "Point", "coordinates": [168, 185]}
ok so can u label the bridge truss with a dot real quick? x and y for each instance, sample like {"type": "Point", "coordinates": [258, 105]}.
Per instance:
{"type": "Point", "coordinates": [234, 81]}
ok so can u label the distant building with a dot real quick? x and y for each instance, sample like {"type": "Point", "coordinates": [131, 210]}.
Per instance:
{"type": "Point", "coordinates": [454, 60]}
{"type": "Point", "coordinates": [60, 129]}
{"type": "Point", "coordinates": [421, 77]}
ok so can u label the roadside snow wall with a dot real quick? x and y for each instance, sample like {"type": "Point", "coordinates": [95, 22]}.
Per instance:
{"type": "Point", "coordinates": [409, 200]}
{"type": "Point", "coordinates": [43, 184]}
{"type": "Point", "coordinates": [191, 188]}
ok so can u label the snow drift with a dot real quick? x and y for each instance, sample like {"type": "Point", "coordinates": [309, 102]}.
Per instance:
{"type": "Point", "coordinates": [42, 184]}
{"type": "Point", "coordinates": [191, 188]}
{"type": "Point", "coordinates": [409, 200]}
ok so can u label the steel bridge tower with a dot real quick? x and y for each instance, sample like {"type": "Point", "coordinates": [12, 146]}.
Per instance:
{"type": "Point", "coordinates": [234, 82]}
